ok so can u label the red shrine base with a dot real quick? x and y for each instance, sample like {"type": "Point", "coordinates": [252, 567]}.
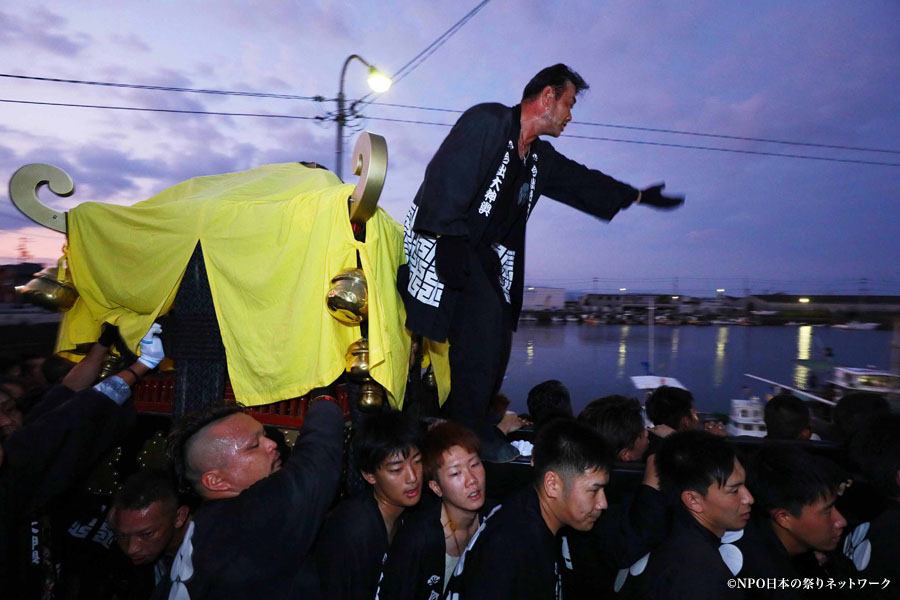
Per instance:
{"type": "Point", "coordinates": [155, 394]}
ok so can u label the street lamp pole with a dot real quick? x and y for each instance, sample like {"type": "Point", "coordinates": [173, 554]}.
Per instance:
{"type": "Point", "coordinates": [377, 81]}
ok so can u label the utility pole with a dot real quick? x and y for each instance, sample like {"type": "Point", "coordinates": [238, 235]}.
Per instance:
{"type": "Point", "coordinates": [24, 255]}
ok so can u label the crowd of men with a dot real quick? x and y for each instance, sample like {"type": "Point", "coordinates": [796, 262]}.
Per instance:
{"type": "Point", "coordinates": [425, 508]}
{"type": "Point", "coordinates": [608, 507]}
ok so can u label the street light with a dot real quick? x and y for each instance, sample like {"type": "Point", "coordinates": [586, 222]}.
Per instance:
{"type": "Point", "coordinates": [720, 290]}
{"type": "Point", "coordinates": [378, 81]}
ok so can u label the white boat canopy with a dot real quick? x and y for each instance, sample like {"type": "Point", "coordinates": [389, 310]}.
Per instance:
{"type": "Point", "coordinates": [651, 382]}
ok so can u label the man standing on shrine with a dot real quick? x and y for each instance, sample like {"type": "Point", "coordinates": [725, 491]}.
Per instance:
{"type": "Point", "coordinates": [465, 233]}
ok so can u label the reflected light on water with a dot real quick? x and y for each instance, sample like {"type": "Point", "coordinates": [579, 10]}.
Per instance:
{"type": "Point", "coordinates": [804, 342]}
{"type": "Point", "coordinates": [675, 339]}
{"type": "Point", "coordinates": [623, 350]}
{"type": "Point", "coordinates": [719, 365]}
{"type": "Point", "coordinates": [529, 353]}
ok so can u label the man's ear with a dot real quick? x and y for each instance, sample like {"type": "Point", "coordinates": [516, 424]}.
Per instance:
{"type": "Point", "coordinates": [553, 484]}
{"type": "Point", "coordinates": [181, 516]}
{"type": "Point", "coordinates": [214, 481]}
{"type": "Point", "coordinates": [547, 95]}
{"type": "Point", "coordinates": [805, 434]}
{"type": "Point", "coordinates": [369, 477]}
{"type": "Point", "coordinates": [782, 517]}
{"type": "Point", "coordinates": [693, 501]}
{"type": "Point", "coordinates": [435, 488]}
{"type": "Point", "coordinates": [625, 455]}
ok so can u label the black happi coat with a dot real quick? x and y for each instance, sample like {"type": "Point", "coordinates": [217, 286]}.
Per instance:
{"type": "Point", "coordinates": [417, 559]}
{"type": "Point", "coordinates": [256, 544]}
{"type": "Point", "coordinates": [351, 549]}
{"type": "Point", "coordinates": [62, 438]}
{"type": "Point", "coordinates": [512, 555]}
{"type": "Point", "coordinates": [874, 548]}
{"type": "Point", "coordinates": [621, 536]}
{"type": "Point", "coordinates": [687, 565]}
{"type": "Point", "coordinates": [415, 563]}
{"type": "Point", "coordinates": [456, 199]}
{"type": "Point", "coordinates": [766, 558]}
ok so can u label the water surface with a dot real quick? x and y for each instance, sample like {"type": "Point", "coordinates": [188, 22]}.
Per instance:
{"type": "Point", "coordinates": [597, 360]}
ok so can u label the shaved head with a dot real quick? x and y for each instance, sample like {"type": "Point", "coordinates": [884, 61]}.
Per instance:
{"type": "Point", "coordinates": [220, 451]}
{"type": "Point", "coordinates": [207, 450]}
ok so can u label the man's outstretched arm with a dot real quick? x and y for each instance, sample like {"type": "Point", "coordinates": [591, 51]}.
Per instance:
{"type": "Point", "coordinates": [596, 193]}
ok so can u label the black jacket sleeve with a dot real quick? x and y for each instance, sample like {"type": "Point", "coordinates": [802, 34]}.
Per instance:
{"type": "Point", "coordinates": [301, 491]}
{"type": "Point", "coordinates": [47, 455]}
{"type": "Point", "coordinates": [624, 538]}
{"type": "Point", "coordinates": [587, 190]}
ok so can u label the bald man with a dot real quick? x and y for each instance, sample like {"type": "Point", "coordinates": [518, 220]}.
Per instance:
{"type": "Point", "coordinates": [251, 535]}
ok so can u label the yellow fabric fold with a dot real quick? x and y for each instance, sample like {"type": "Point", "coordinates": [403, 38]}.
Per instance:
{"type": "Point", "coordinates": [272, 239]}
{"type": "Point", "coordinates": [438, 354]}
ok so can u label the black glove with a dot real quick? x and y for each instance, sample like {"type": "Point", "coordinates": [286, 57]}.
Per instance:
{"type": "Point", "coordinates": [652, 196]}
{"type": "Point", "coordinates": [451, 260]}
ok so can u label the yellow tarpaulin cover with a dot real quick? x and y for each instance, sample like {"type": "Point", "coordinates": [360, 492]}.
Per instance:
{"type": "Point", "coordinates": [272, 239]}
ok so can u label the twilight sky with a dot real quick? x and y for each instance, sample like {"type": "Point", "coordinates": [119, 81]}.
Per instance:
{"type": "Point", "coordinates": [817, 72]}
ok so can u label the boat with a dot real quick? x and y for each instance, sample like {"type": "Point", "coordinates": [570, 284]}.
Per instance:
{"type": "Point", "coordinates": [746, 418]}
{"type": "Point", "coordinates": [571, 319]}
{"type": "Point", "coordinates": [856, 325]}
{"type": "Point", "coordinates": [851, 379]}
{"type": "Point", "coordinates": [648, 383]}
{"type": "Point", "coordinates": [843, 381]}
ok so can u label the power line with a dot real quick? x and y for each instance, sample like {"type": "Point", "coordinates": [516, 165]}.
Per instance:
{"type": "Point", "coordinates": [417, 122]}
{"type": "Point", "coordinates": [164, 88]}
{"type": "Point", "coordinates": [440, 41]}
{"type": "Point", "coordinates": [431, 48]}
{"type": "Point", "coordinates": [737, 137]}
{"type": "Point", "coordinates": [737, 151]}
{"type": "Point", "coordinates": [445, 110]}
{"type": "Point", "coordinates": [672, 131]}
{"type": "Point", "coordinates": [161, 110]}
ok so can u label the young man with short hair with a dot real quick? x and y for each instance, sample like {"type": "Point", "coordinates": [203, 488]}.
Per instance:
{"type": "Point", "coordinates": [148, 520]}
{"type": "Point", "coordinates": [635, 522]}
{"type": "Point", "coordinates": [787, 418]}
{"type": "Point", "coordinates": [706, 480]}
{"type": "Point", "coordinates": [620, 421]}
{"type": "Point", "coordinates": [548, 400]}
{"type": "Point", "coordinates": [515, 552]}
{"type": "Point", "coordinates": [672, 406]}
{"type": "Point", "coordinates": [795, 518]}
{"type": "Point", "coordinates": [355, 538]}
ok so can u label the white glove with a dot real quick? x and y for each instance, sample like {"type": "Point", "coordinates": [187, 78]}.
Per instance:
{"type": "Point", "coordinates": [152, 351]}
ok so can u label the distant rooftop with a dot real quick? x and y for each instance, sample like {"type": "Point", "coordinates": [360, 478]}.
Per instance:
{"type": "Point", "coordinates": [828, 299]}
